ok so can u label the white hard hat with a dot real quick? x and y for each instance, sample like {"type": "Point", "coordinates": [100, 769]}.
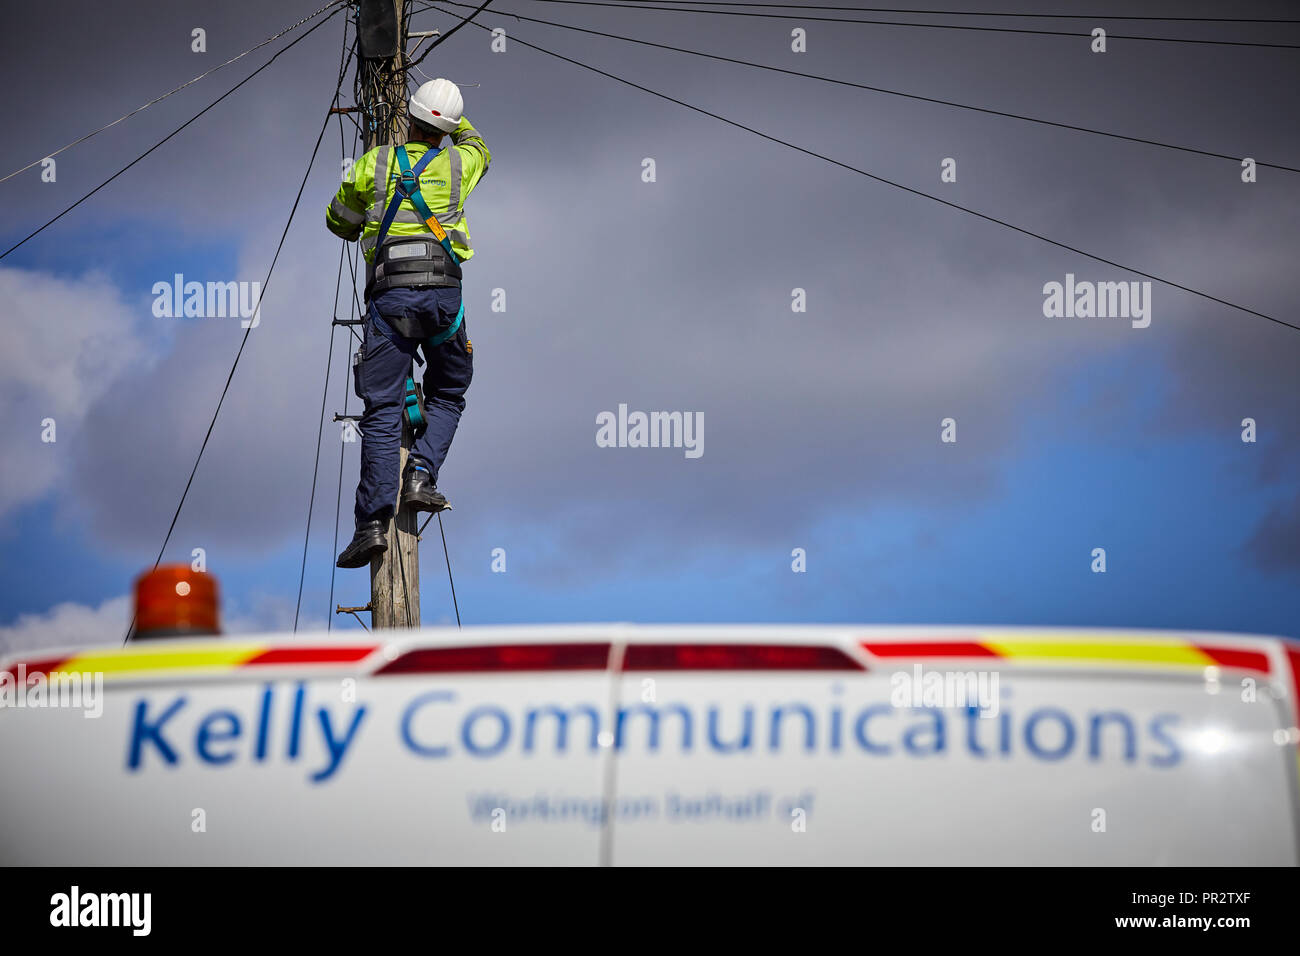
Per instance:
{"type": "Point", "coordinates": [439, 104]}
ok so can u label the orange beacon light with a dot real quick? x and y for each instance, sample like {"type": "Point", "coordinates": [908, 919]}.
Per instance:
{"type": "Point", "coordinates": [175, 601]}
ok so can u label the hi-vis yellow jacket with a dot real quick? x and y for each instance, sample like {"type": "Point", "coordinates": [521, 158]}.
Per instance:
{"type": "Point", "coordinates": [445, 183]}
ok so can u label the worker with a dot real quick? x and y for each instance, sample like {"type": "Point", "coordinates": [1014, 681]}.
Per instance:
{"type": "Point", "coordinates": [406, 206]}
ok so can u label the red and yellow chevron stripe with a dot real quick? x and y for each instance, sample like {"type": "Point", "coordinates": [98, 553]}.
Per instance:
{"type": "Point", "coordinates": [1072, 649]}
{"type": "Point", "coordinates": [209, 656]}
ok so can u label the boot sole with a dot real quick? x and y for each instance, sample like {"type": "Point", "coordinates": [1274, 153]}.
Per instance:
{"type": "Point", "coordinates": [422, 503]}
{"type": "Point", "coordinates": [361, 557]}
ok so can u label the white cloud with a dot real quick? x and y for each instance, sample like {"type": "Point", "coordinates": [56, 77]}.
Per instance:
{"type": "Point", "coordinates": [268, 614]}
{"type": "Point", "coordinates": [71, 624]}
{"type": "Point", "coordinates": [250, 489]}
{"type": "Point", "coordinates": [66, 342]}
{"type": "Point", "coordinates": [68, 625]}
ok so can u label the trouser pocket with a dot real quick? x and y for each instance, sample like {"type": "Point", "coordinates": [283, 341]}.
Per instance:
{"type": "Point", "coordinates": [357, 359]}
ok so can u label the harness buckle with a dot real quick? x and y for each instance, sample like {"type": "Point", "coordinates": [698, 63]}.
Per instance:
{"type": "Point", "coordinates": [413, 406]}
{"type": "Point", "coordinates": [407, 184]}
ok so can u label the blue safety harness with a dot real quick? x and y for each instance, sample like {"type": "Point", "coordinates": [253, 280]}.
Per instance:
{"type": "Point", "coordinates": [408, 188]}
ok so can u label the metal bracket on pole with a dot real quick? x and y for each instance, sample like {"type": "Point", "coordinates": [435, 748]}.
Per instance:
{"type": "Point", "coordinates": [423, 35]}
{"type": "Point", "coordinates": [340, 609]}
{"type": "Point", "coordinates": [352, 421]}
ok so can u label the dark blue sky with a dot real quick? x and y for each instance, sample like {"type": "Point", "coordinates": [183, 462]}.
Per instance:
{"type": "Point", "coordinates": [821, 428]}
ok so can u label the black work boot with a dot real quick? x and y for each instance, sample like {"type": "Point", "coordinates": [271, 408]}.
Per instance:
{"type": "Point", "coordinates": [418, 491]}
{"type": "Point", "coordinates": [371, 538]}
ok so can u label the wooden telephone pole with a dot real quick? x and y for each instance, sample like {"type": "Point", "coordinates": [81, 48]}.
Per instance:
{"type": "Point", "coordinates": [394, 574]}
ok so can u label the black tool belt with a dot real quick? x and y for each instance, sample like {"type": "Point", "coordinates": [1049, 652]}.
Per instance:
{"type": "Point", "coordinates": [403, 262]}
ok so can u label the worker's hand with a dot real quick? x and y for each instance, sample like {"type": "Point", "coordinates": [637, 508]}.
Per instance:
{"type": "Point", "coordinates": [464, 129]}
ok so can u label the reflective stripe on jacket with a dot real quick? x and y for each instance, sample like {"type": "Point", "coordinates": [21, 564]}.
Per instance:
{"type": "Point", "coordinates": [446, 182]}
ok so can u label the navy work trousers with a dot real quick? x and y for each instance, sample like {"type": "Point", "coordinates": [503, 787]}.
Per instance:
{"type": "Point", "coordinates": [380, 379]}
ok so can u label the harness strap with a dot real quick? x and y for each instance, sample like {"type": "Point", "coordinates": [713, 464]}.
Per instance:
{"type": "Point", "coordinates": [413, 406]}
{"type": "Point", "coordinates": [408, 187]}
{"type": "Point", "coordinates": [397, 340]}
{"type": "Point", "coordinates": [445, 334]}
